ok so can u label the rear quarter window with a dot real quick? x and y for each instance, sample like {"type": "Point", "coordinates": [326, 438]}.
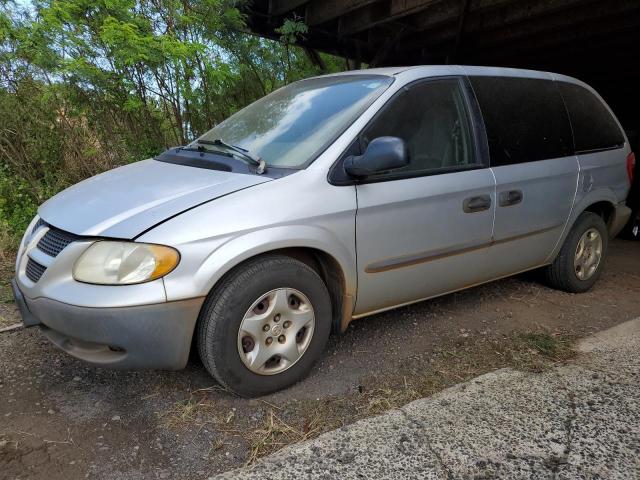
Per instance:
{"type": "Point", "coordinates": [594, 128]}
{"type": "Point", "coordinates": [525, 119]}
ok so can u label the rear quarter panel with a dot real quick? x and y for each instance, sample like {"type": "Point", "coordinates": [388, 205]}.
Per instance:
{"type": "Point", "coordinates": [604, 172]}
{"type": "Point", "coordinates": [602, 177]}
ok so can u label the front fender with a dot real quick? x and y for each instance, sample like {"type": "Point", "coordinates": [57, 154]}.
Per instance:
{"type": "Point", "coordinates": [235, 250]}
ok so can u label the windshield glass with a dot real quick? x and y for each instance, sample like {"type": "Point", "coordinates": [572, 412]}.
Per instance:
{"type": "Point", "coordinates": [291, 126]}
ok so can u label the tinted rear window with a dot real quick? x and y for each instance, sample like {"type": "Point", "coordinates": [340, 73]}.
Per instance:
{"type": "Point", "coordinates": [594, 128]}
{"type": "Point", "coordinates": [525, 119]}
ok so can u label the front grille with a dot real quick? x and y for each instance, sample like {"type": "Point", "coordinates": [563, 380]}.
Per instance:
{"type": "Point", "coordinates": [39, 223]}
{"type": "Point", "coordinates": [34, 270]}
{"type": "Point", "coordinates": [54, 241]}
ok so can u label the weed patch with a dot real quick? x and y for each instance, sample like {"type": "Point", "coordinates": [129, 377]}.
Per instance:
{"type": "Point", "coordinates": [265, 428]}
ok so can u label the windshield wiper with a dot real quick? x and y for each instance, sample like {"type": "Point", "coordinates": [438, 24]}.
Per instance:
{"type": "Point", "coordinates": [256, 160]}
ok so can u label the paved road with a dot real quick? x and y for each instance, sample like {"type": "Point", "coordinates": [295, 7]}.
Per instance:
{"type": "Point", "coordinates": [580, 420]}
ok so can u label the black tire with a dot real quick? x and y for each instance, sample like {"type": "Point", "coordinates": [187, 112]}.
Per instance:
{"type": "Point", "coordinates": [561, 273]}
{"type": "Point", "coordinates": [226, 306]}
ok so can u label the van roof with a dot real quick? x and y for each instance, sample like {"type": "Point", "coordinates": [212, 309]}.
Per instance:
{"type": "Point", "coordinates": [463, 69]}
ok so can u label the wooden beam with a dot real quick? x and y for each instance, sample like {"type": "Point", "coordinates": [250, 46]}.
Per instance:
{"type": "Point", "coordinates": [400, 8]}
{"type": "Point", "coordinates": [546, 35]}
{"type": "Point", "coordinates": [321, 11]}
{"type": "Point", "coordinates": [464, 10]}
{"type": "Point", "coordinates": [604, 30]}
{"type": "Point", "coordinates": [510, 20]}
{"type": "Point", "coordinates": [417, 14]}
{"type": "Point", "coordinates": [511, 14]}
{"type": "Point", "coordinates": [495, 31]}
{"type": "Point", "coordinates": [362, 19]}
{"type": "Point", "coordinates": [384, 51]}
{"type": "Point", "coordinates": [553, 27]}
{"type": "Point", "coordinates": [280, 7]}
{"type": "Point", "coordinates": [448, 12]}
{"type": "Point", "coordinates": [320, 40]}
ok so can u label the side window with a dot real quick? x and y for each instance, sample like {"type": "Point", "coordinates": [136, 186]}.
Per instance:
{"type": "Point", "coordinates": [594, 128]}
{"type": "Point", "coordinates": [431, 117]}
{"type": "Point", "coordinates": [525, 119]}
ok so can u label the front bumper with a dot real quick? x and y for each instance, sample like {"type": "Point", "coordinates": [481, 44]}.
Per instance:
{"type": "Point", "coordinates": [149, 336]}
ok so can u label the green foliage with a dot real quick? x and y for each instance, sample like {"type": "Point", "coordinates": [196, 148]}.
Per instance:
{"type": "Point", "coordinates": [88, 85]}
{"type": "Point", "coordinates": [292, 30]}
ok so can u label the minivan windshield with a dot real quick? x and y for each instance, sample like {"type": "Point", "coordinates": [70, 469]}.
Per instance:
{"type": "Point", "coordinates": [291, 126]}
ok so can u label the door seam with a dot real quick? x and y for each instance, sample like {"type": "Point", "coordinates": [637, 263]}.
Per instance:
{"type": "Point", "coordinates": [495, 207]}
{"type": "Point", "coordinates": [573, 206]}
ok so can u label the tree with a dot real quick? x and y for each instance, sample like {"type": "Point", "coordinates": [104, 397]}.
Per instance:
{"type": "Point", "coordinates": [86, 85]}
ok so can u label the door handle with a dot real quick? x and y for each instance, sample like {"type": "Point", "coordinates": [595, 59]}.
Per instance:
{"type": "Point", "coordinates": [476, 204]}
{"type": "Point", "coordinates": [510, 197]}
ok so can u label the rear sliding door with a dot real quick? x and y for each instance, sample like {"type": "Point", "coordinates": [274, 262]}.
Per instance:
{"type": "Point", "coordinates": [536, 171]}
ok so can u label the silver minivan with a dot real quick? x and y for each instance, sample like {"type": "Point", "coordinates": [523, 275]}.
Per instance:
{"type": "Point", "coordinates": [328, 200]}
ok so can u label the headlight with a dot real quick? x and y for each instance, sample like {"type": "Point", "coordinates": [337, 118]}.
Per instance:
{"type": "Point", "coordinates": [123, 263]}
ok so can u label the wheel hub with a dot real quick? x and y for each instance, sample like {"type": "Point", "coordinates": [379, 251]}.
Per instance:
{"type": "Point", "coordinates": [276, 331]}
{"type": "Point", "coordinates": [588, 254]}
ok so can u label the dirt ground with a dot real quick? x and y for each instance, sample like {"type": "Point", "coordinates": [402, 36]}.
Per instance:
{"type": "Point", "coordinates": [60, 419]}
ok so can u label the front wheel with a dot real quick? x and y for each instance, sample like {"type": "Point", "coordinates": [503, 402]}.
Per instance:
{"type": "Point", "coordinates": [264, 327]}
{"type": "Point", "coordinates": [581, 259]}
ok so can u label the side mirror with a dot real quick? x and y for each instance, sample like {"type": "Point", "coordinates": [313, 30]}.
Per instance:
{"type": "Point", "coordinates": [382, 154]}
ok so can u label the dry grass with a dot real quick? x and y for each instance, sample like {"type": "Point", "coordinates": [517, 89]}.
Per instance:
{"type": "Point", "coordinates": [184, 413]}
{"type": "Point", "coordinates": [534, 352]}
{"type": "Point", "coordinates": [292, 422]}
{"type": "Point", "coordinates": [261, 438]}
{"type": "Point", "coordinates": [275, 433]}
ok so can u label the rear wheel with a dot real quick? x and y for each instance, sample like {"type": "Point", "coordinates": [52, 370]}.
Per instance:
{"type": "Point", "coordinates": [264, 327]}
{"type": "Point", "coordinates": [581, 259]}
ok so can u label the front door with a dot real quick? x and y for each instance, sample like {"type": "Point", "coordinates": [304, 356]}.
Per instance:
{"type": "Point", "coordinates": [424, 230]}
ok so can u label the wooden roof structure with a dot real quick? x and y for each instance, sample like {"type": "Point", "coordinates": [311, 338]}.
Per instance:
{"type": "Point", "coordinates": [595, 40]}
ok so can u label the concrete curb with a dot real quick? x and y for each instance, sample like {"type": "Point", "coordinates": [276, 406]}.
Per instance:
{"type": "Point", "coordinates": [11, 328]}
{"type": "Point", "coordinates": [580, 420]}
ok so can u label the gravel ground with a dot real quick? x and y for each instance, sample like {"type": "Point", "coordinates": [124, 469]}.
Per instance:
{"type": "Point", "coordinates": [8, 315]}
{"type": "Point", "coordinates": [60, 419]}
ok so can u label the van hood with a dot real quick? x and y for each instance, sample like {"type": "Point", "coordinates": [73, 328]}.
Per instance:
{"type": "Point", "coordinates": [126, 201]}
